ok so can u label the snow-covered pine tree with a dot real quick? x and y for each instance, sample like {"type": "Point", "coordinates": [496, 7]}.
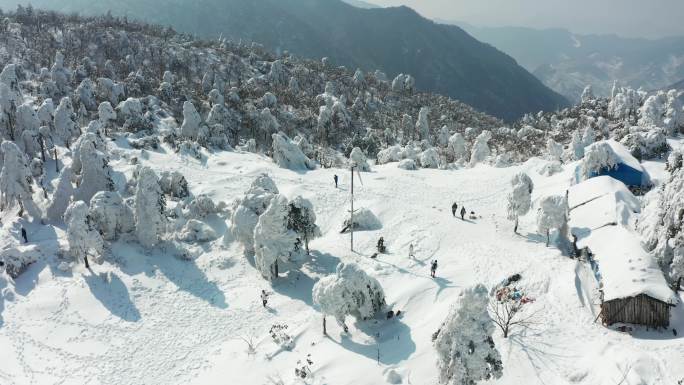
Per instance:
{"type": "Point", "coordinates": [110, 215]}
{"type": "Point", "coordinates": [191, 121]}
{"type": "Point", "coordinates": [466, 353]}
{"type": "Point", "coordinates": [520, 198]}
{"type": "Point", "coordinates": [301, 219]}
{"type": "Point", "coordinates": [150, 203]}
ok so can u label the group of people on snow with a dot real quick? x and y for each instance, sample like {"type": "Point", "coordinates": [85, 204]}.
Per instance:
{"type": "Point", "coordinates": [454, 208]}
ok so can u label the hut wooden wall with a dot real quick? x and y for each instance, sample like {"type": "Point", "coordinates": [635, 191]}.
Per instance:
{"type": "Point", "coordinates": [640, 310]}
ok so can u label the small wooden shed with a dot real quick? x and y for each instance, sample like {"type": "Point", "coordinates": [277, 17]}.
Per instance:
{"type": "Point", "coordinates": [633, 288]}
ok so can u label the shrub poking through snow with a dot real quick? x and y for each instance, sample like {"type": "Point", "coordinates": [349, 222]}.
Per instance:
{"type": "Point", "coordinates": [520, 198]}
{"type": "Point", "coordinates": [407, 164]}
{"type": "Point", "coordinates": [429, 158]}
{"type": "Point", "coordinates": [466, 353]}
{"type": "Point", "coordinates": [350, 291]}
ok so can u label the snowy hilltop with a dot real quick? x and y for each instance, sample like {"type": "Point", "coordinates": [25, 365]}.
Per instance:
{"type": "Point", "coordinates": [177, 211]}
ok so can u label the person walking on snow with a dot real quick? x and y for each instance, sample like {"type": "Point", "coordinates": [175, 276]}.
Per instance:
{"type": "Point", "coordinates": [433, 268]}
{"type": "Point", "coordinates": [23, 235]}
{"type": "Point", "coordinates": [411, 255]}
{"type": "Point", "coordinates": [463, 213]}
{"type": "Point", "coordinates": [454, 207]}
{"type": "Point", "coordinates": [264, 297]}
{"type": "Point", "coordinates": [336, 179]}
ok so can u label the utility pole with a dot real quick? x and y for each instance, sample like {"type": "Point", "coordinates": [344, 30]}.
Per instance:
{"type": "Point", "coordinates": [351, 224]}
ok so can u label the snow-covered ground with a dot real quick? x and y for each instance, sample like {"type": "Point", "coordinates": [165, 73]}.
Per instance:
{"type": "Point", "coordinates": [150, 318]}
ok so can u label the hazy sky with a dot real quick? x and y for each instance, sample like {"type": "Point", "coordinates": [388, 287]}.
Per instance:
{"type": "Point", "coordinates": [635, 18]}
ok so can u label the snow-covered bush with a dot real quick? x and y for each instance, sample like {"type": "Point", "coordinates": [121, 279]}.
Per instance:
{"type": "Point", "coordinates": [407, 164]}
{"type": "Point", "coordinates": [480, 151]}
{"type": "Point", "coordinates": [150, 222]}
{"type": "Point", "coordinates": [350, 291]}
{"type": "Point", "coordinates": [83, 238]}
{"type": "Point", "coordinates": [173, 183]}
{"type": "Point", "coordinates": [364, 219]}
{"type": "Point", "coordinates": [110, 215]}
{"type": "Point", "coordinates": [287, 154]}
{"type": "Point", "coordinates": [554, 150]}
{"type": "Point", "coordinates": [646, 143]}
{"type": "Point", "coordinates": [202, 206]}
{"type": "Point", "coordinates": [64, 121]}
{"type": "Point", "coordinates": [390, 154]}
{"type": "Point", "coordinates": [246, 211]}
{"type": "Point", "coordinates": [358, 158]}
{"type": "Point", "coordinates": [16, 260]}
{"type": "Point", "coordinates": [429, 158]}
{"type": "Point", "coordinates": [552, 214]}
{"type": "Point", "coordinates": [196, 231]}
{"type": "Point", "coordinates": [520, 198]}
{"type": "Point", "coordinates": [597, 157]}
{"type": "Point", "coordinates": [466, 353]}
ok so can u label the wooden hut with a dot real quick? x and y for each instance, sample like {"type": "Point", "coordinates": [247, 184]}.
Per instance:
{"type": "Point", "coordinates": [633, 288]}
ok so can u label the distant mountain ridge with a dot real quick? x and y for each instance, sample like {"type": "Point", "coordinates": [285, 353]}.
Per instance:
{"type": "Point", "coordinates": [442, 58]}
{"type": "Point", "coordinates": [567, 62]}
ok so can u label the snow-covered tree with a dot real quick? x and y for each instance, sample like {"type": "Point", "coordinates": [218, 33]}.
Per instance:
{"type": "Point", "coordinates": [589, 136]}
{"type": "Point", "coordinates": [246, 211]}
{"type": "Point", "coordinates": [466, 353]}
{"type": "Point", "coordinates": [480, 151]}
{"type": "Point", "coordinates": [26, 120]}
{"type": "Point", "coordinates": [106, 115]}
{"type": "Point", "coordinates": [576, 146]}
{"type": "Point", "coordinates": [301, 218]}
{"type": "Point", "coordinates": [597, 157]}
{"type": "Point", "coordinates": [674, 114]}
{"type": "Point", "coordinates": [350, 291]}
{"type": "Point", "coordinates": [61, 198]}
{"type": "Point", "coordinates": [191, 121]}
{"type": "Point", "coordinates": [150, 221]}
{"type": "Point", "coordinates": [358, 159]}
{"type": "Point", "coordinates": [652, 112]}
{"type": "Point", "coordinates": [423, 124]}
{"type": "Point", "coordinates": [82, 237]}
{"type": "Point", "coordinates": [588, 95]}
{"type": "Point", "coordinates": [15, 180]}
{"type": "Point", "coordinates": [110, 215]}
{"type": "Point", "coordinates": [95, 171]}
{"type": "Point", "coordinates": [520, 198]}
{"type": "Point", "coordinates": [268, 124]}
{"type": "Point", "coordinates": [443, 137]}
{"type": "Point", "coordinates": [457, 147]}
{"type": "Point", "coordinates": [552, 214]}
{"type": "Point", "coordinates": [64, 121]}
{"type": "Point", "coordinates": [274, 241]}
{"type": "Point", "coordinates": [554, 150]}
{"type": "Point", "coordinates": [85, 95]}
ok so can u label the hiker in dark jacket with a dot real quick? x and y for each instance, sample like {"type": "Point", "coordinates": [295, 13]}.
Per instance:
{"type": "Point", "coordinates": [463, 213]}
{"type": "Point", "coordinates": [23, 235]}
{"type": "Point", "coordinates": [454, 207]}
{"type": "Point", "coordinates": [433, 268]}
{"type": "Point", "coordinates": [336, 179]}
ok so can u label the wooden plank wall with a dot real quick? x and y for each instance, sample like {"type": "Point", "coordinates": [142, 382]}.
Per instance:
{"type": "Point", "coordinates": [639, 310]}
